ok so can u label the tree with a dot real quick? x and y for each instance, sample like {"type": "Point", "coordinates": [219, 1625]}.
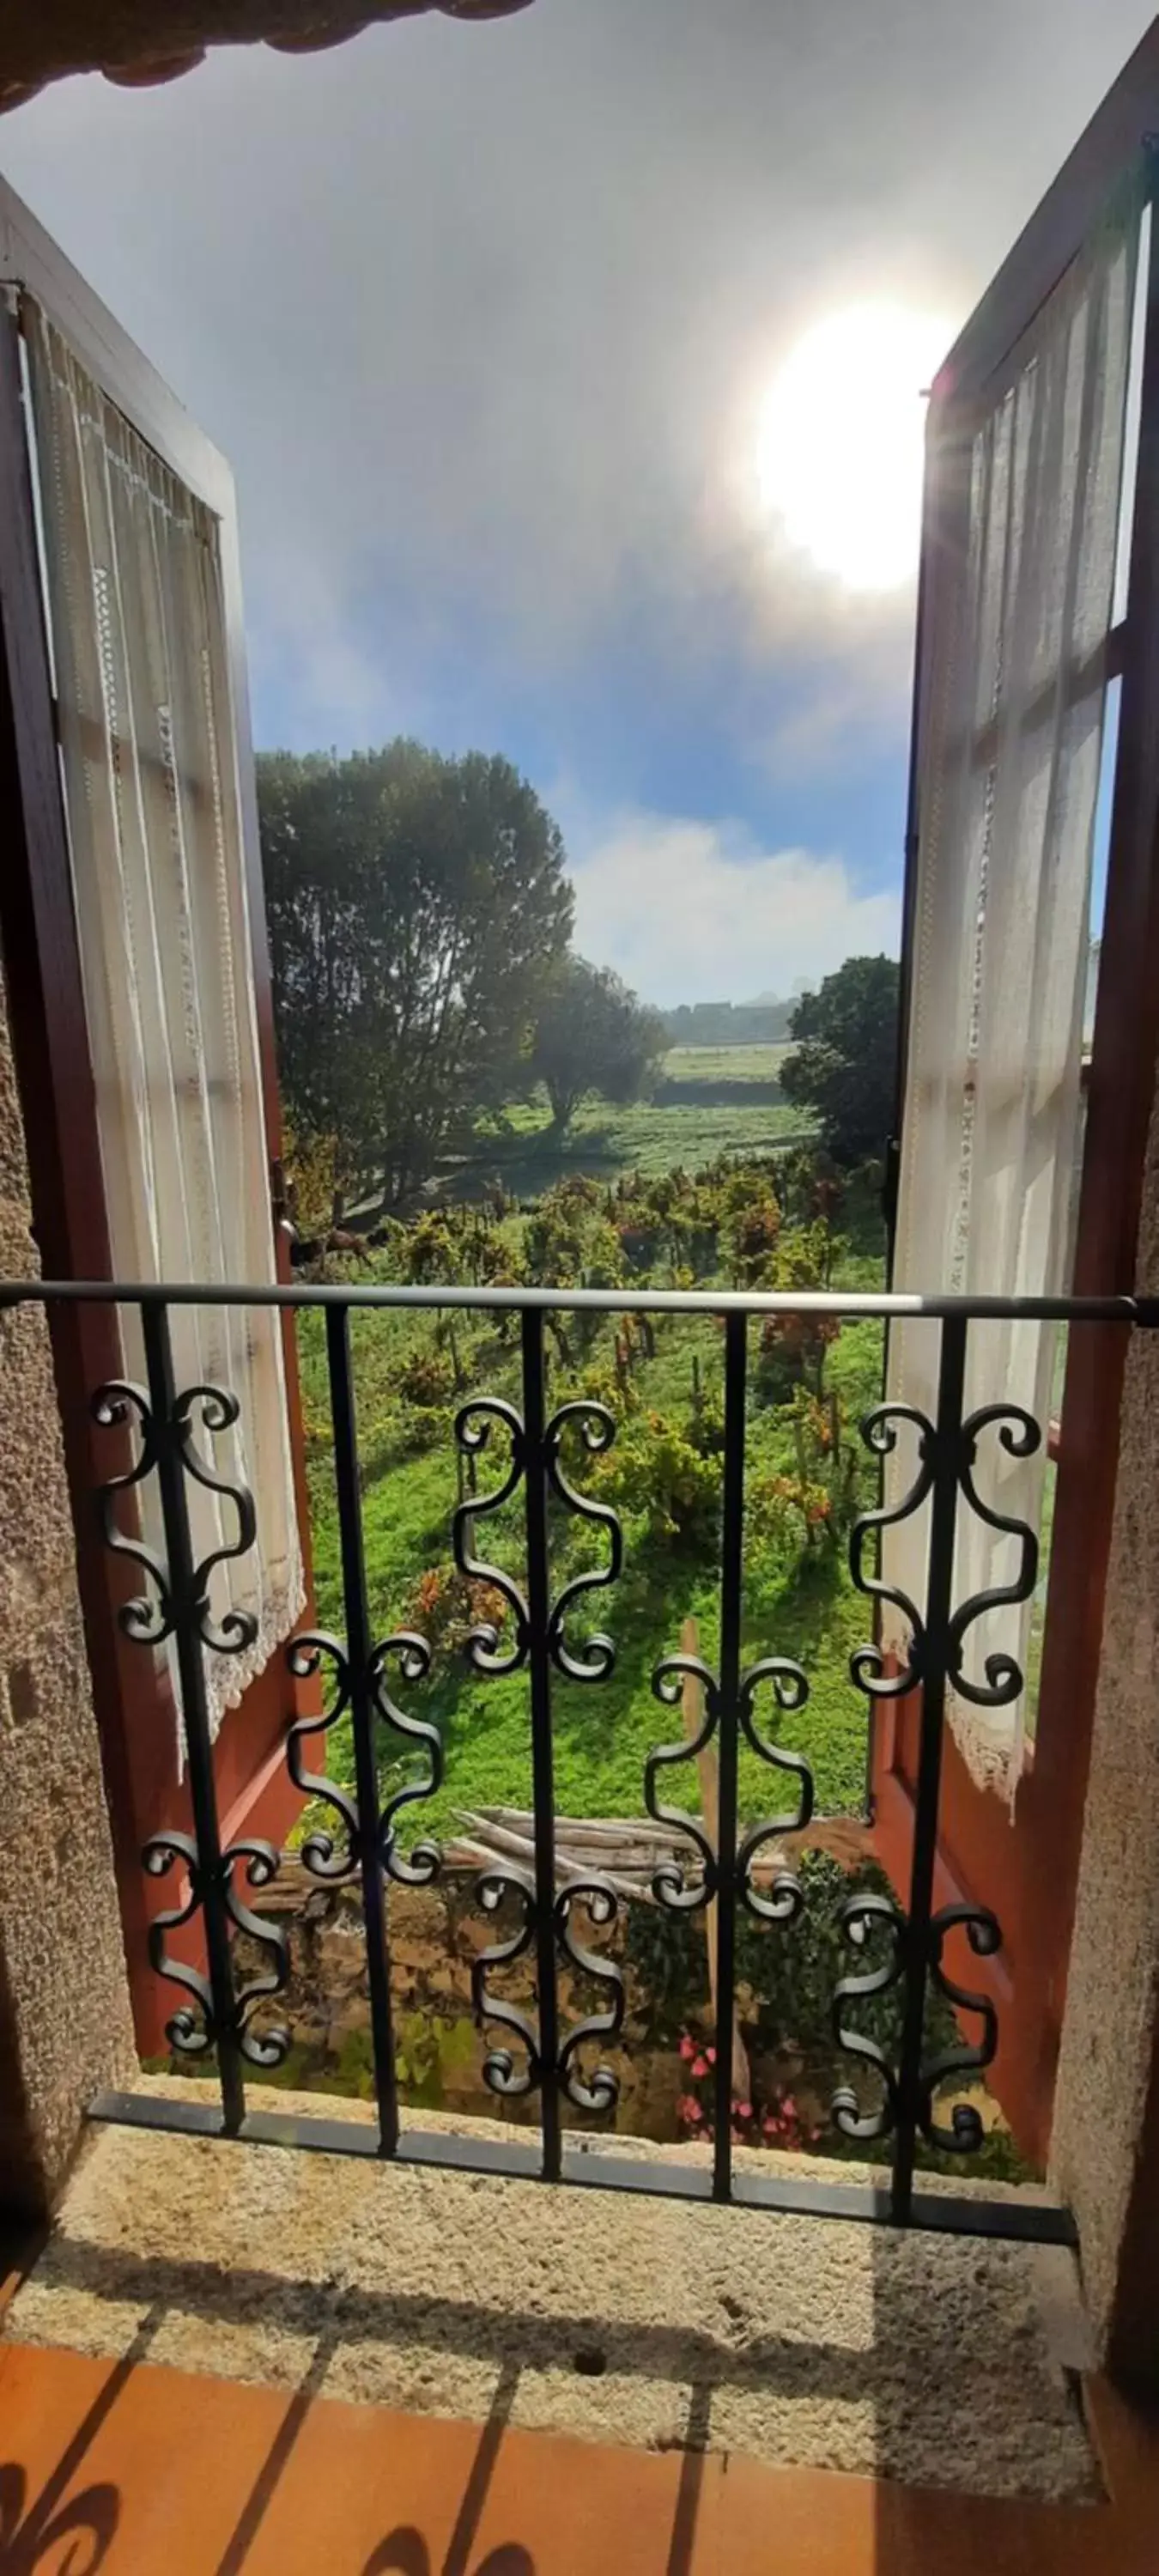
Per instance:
{"type": "Point", "coordinates": [844, 1063]}
{"type": "Point", "coordinates": [592, 1034]}
{"type": "Point", "coordinates": [415, 906]}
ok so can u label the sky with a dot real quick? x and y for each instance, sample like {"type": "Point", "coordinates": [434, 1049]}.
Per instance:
{"type": "Point", "coordinates": [570, 368]}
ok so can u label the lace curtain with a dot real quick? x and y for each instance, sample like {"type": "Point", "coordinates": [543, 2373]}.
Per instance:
{"type": "Point", "coordinates": [148, 754]}
{"type": "Point", "coordinates": [1013, 698]}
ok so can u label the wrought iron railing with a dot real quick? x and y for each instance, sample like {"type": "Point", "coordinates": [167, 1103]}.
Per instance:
{"type": "Point", "coordinates": [223, 2011]}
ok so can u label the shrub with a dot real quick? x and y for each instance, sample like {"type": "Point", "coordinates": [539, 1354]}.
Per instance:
{"type": "Point", "coordinates": [447, 1605]}
{"type": "Point", "coordinates": [751, 1236]}
{"type": "Point", "coordinates": [433, 1255]}
{"type": "Point", "coordinates": [789, 1977]}
{"type": "Point", "coordinates": [426, 1378]}
{"type": "Point", "coordinates": [656, 1477]}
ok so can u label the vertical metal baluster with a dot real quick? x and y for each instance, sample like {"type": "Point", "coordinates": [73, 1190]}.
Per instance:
{"type": "Point", "coordinates": [939, 1609]}
{"type": "Point", "coordinates": [542, 1764]}
{"type": "Point", "coordinates": [732, 1545]}
{"type": "Point", "coordinates": [358, 1650]}
{"type": "Point", "coordinates": [198, 1743]}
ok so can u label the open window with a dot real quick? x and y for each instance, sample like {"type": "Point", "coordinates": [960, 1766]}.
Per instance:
{"type": "Point", "coordinates": [1015, 666]}
{"type": "Point", "coordinates": [136, 962]}
{"type": "Point", "coordinates": [1027, 1076]}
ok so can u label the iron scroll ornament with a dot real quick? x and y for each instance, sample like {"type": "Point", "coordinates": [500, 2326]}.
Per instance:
{"type": "Point", "coordinates": [862, 1917]}
{"type": "Point", "coordinates": [150, 1619]}
{"type": "Point", "coordinates": [596, 1426]}
{"type": "Point", "coordinates": [1020, 1436]}
{"type": "Point", "coordinates": [194, 2027]}
{"type": "Point", "coordinates": [600, 2092]}
{"type": "Point", "coordinates": [592, 1661]}
{"type": "Point", "coordinates": [595, 1660]}
{"type": "Point", "coordinates": [334, 1857]}
{"type": "Point", "coordinates": [879, 1431]}
{"type": "Point", "coordinates": [783, 1901]}
{"type": "Point", "coordinates": [473, 1426]}
{"type": "Point", "coordinates": [502, 2072]}
{"type": "Point", "coordinates": [670, 1886]}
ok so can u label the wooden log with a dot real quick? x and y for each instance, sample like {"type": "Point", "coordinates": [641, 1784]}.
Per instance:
{"type": "Point", "coordinates": [623, 1851]}
{"type": "Point", "coordinates": [638, 1829]}
{"type": "Point", "coordinates": [497, 1842]}
{"type": "Point", "coordinates": [470, 1855]}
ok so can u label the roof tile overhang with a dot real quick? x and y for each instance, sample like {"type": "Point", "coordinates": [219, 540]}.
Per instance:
{"type": "Point", "coordinates": [138, 43]}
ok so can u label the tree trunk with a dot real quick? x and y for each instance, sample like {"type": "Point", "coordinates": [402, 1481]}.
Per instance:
{"type": "Point", "coordinates": [562, 1113]}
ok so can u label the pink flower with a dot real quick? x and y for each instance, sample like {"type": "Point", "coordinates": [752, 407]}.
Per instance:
{"type": "Point", "coordinates": [700, 2065]}
{"type": "Point", "coordinates": [789, 2106]}
{"type": "Point", "coordinates": [710, 2053]}
{"type": "Point", "coordinates": [744, 2110]}
{"type": "Point", "coordinates": [695, 2113]}
{"type": "Point", "coordinates": [687, 2046]}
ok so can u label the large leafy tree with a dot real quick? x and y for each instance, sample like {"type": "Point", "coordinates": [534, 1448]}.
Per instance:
{"type": "Point", "coordinates": [592, 1034]}
{"type": "Point", "coordinates": [415, 906]}
{"type": "Point", "coordinates": [844, 1060]}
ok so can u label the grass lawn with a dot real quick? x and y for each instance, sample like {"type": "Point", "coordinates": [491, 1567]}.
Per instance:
{"type": "Point", "coordinates": [604, 1731]}
{"type": "Point", "coordinates": [725, 1063]}
{"type": "Point", "coordinates": [604, 1141]}
{"type": "Point", "coordinates": [798, 1602]}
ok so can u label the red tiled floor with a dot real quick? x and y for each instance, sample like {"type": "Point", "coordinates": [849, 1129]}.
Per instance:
{"type": "Point", "coordinates": [126, 2467]}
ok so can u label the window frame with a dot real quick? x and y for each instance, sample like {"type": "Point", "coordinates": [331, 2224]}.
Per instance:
{"type": "Point", "coordinates": [132, 1698]}
{"type": "Point", "coordinates": [1040, 1861]}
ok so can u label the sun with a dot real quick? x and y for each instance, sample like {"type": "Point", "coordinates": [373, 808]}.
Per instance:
{"type": "Point", "coordinates": [839, 442]}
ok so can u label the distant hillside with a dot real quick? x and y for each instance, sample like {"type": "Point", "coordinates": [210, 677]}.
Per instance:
{"type": "Point", "coordinates": [717, 1024]}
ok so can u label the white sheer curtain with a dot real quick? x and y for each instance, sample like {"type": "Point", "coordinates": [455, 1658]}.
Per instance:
{"type": "Point", "coordinates": [147, 744]}
{"type": "Point", "coordinates": [1013, 697]}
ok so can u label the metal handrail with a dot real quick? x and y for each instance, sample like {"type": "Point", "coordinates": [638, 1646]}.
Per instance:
{"type": "Point", "coordinates": [851, 1303]}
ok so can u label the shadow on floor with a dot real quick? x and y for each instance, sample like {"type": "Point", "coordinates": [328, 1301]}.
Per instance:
{"type": "Point", "coordinates": [405, 2551]}
{"type": "Point", "coordinates": [82, 2528]}
{"type": "Point", "coordinates": [33, 2528]}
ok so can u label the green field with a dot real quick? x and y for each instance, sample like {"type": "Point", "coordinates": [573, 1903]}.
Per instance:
{"type": "Point", "coordinates": [725, 1063]}
{"type": "Point", "coordinates": [651, 1137]}
{"type": "Point", "coordinates": [801, 1605]}
{"type": "Point", "coordinates": [798, 1599]}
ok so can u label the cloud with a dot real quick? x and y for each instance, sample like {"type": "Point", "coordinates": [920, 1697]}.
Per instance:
{"type": "Point", "coordinates": [481, 313]}
{"type": "Point", "coordinates": [690, 911]}
{"type": "Point", "coordinates": [484, 316]}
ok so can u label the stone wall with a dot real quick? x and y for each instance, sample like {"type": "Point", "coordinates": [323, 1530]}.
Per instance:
{"type": "Point", "coordinates": [65, 2028]}
{"type": "Point", "coordinates": [1105, 2151]}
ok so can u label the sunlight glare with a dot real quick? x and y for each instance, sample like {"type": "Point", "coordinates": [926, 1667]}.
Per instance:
{"type": "Point", "coordinates": [839, 442]}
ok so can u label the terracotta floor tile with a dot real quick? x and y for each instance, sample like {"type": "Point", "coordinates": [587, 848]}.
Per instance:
{"type": "Point", "coordinates": [810, 2523]}
{"type": "Point", "coordinates": [423, 2497]}
{"type": "Point", "coordinates": [144, 2469]}
{"type": "Point", "coordinates": [125, 2469]}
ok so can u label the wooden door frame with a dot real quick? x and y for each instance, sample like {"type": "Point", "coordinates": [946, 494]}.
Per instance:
{"type": "Point", "coordinates": [1120, 1092]}
{"type": "Point", "coordinates": [132, 1696]}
